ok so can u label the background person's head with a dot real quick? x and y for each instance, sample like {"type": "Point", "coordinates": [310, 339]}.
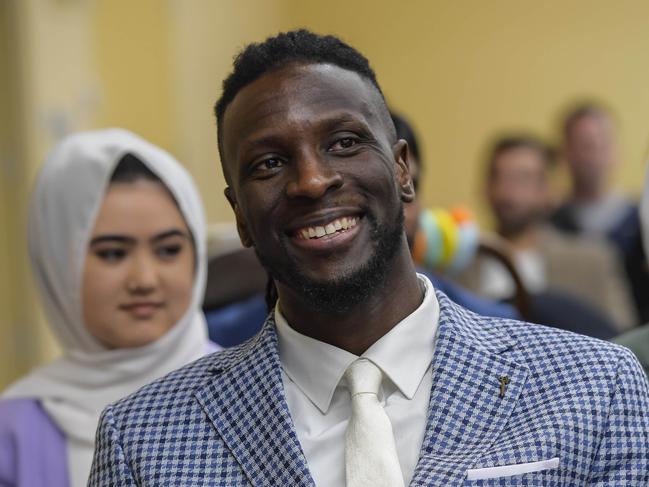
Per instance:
{"type": "Point", "coordinates": [307, 145]}
{"type": "Point", "coordinates": [589, 149]}
{"type": "Point", "coordinates": [517, 183]}
{"type": "Point", "coordinates": [116, 238]}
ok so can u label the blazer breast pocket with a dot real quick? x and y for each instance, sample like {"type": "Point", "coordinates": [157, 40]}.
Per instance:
{"type": "Point", "coordinates": [527, 473]}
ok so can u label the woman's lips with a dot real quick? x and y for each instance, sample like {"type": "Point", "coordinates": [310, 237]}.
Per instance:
{"type": "Point", "coordinates": [142, 310]}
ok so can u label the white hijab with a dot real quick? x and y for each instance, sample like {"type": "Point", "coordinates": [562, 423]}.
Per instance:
{"type": "Point", "coordinates": [65, 202]}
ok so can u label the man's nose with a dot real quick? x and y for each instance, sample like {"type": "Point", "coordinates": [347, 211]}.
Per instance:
{"type": "Point", "coordinates": [312, 177]}
{"type": "Point", "coordinates": [143, 275]}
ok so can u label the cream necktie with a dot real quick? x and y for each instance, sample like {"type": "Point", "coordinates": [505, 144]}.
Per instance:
{"type": "Point", "coordinates": [370, 452]}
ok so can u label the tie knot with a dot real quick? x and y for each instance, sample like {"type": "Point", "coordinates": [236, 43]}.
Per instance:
{"type": "Point", "coordinates": [363, 377]}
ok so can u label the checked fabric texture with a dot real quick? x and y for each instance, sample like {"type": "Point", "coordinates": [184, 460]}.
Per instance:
{"type": "Point", "coordinates": [223, 420]}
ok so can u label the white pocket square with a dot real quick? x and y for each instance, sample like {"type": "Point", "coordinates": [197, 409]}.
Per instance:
{"type": "Point", "coordinates": [509, 470]}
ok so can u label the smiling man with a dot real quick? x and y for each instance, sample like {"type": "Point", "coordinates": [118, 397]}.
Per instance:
{"type": "Point", "coordinates": [317, 180]}
{"type": "Point", "coordinates": [363, 375]}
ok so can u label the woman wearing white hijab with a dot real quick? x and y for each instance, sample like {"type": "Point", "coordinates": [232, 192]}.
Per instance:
{"type": "Point", "coordinates": [117, 245]}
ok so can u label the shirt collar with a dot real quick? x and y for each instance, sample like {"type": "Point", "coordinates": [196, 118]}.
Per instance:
{"type": "Point", "coordinates": [403, 354]}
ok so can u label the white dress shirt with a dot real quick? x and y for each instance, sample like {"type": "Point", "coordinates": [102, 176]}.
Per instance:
{"type": "Point", "coordinates": [320, 404]}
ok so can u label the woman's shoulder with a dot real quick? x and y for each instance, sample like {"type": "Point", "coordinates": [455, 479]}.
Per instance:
{"type": "Point", "coordinates": [16, 414]}
{"type": "Point", "coordinates": [32, 448]}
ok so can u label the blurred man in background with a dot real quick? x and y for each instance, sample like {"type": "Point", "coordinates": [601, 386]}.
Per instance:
{"type": "Point", "coordinates": [594, 207]}
{"type": "Point", "coordinates": [411, 211]}
{"type": "Point", "coordinates": [519, 195]}
{"type": "Point", "coordinates": [590, 152]}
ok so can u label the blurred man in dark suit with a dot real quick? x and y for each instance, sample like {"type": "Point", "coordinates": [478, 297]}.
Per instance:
{"type": "Point", "coordinates": [594, 207]}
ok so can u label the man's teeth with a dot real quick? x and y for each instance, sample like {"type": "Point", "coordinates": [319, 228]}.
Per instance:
{"type": "Point", "coordinates": [344, 223]}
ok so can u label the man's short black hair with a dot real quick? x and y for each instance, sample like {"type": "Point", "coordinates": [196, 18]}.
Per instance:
{"type": "Point", "coordinates": [298, 46]}
{"type": "Point", "coordinates": [406, 131]}
{"type": "Point", "coordinates": [509, 142]}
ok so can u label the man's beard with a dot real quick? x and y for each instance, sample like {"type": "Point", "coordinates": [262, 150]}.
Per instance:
{"type": "Point", "coordinates": [513, 227]}
{"type": "Point", "coordinates": [341, 294]}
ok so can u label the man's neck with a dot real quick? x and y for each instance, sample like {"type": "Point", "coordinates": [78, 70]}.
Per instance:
{"type": "Point", "coordinates": [525, 239]}
{"type": "Point", "coordinates": [586, 194]}
{"type": "Point", "coordinates": [357, 329]}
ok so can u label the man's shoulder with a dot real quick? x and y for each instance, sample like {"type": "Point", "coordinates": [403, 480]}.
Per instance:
{"type": "Point", "coordinates": [638, 341]}
{"type": "Point", "coordinates": [175, 388]}
{"type": "Point", "coordinates": [468, 299]}
{"type": "Point", "coordinates": [547, 341]}
{"type": "Point", "coordinates": [537, 346]}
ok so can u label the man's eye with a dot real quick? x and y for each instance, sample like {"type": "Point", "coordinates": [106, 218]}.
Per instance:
{"type": "Point", "coordinates": [111, 255]}
{"type": "Point", "coordinates": [344, 143]}
{"type": "Point", "coordinates": [270, 164]}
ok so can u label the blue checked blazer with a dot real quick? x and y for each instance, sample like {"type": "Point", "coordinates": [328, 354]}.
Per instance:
{"type": "Point", "coordinates": [223, 420]}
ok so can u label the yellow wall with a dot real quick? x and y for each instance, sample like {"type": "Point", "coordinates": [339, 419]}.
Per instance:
{"type": "Point", "coordinates": [464, 70]}
{"type": "Point", "coordinates": [24, 340]}
{"type": "Point", "coordinates": [461, 70]}
{"type": "Point", "coordinates": [204, 37]}
{"type": "Point", "coordinates": [132, 65]}
{"type": "Point", "coordinates": [8, 343]}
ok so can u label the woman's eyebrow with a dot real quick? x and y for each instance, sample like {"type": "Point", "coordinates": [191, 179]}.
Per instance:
{"type": "Point", "coordinates": [112, 238]}
{"type": "Point", "coordinates": [123, 239]}
{"type": "Point", "coordinates": [170, 233]}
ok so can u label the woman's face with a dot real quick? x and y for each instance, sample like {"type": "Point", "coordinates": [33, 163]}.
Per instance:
{"type": "Point", "coordinates": [139, 268]}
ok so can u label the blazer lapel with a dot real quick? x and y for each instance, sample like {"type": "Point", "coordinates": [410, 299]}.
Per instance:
{"type": "Point", "coordinates": [466, 411]}
{"type": "Point", "coordinates": [247, 406]}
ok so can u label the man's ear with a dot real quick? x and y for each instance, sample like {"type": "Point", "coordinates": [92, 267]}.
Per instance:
{"type": "Point", "coordinates": [244, 236]}
{"type": "Point", "coordinates": [407, 189]}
